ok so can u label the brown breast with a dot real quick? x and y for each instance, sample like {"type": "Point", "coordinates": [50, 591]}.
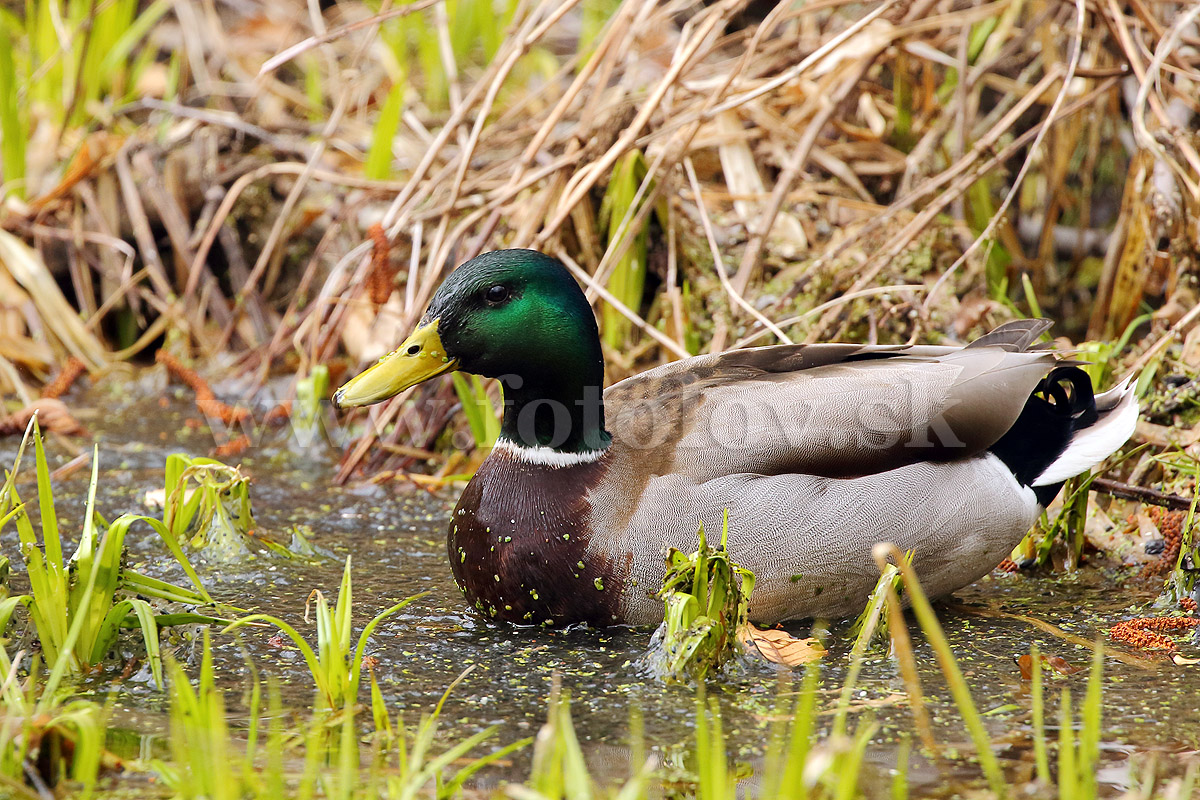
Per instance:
{"type": "Point", "coordinates": [518, 545]}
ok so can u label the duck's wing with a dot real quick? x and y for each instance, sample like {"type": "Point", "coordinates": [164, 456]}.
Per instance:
{"type": "Point", "coordinates": [834, 410]}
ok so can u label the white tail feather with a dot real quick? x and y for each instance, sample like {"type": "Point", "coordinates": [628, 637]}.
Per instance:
{"type": "Point", "coordinates": [1097, 442]}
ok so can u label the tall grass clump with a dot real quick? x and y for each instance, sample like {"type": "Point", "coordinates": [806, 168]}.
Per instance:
{"type": "Point", "coordinates": [79, 605]}
{"type": "Point", "coordinates": [336, 669]}
{"type": "Point", "coordinates": [81, 52]}
{"type": "Point", "coordinates": [475, 30]}
{"type": "Point", "coordinates": [42, 742]}
{"type": "Point", "coordinates": [559, 770]}
{"type": "Point", "coordinates": [210, 760]}
{"type": "Point", "coordinates": [12, 128]}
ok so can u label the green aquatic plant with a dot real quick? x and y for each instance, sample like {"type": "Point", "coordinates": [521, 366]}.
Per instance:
{"type": "Point", "coordinates": [559, 770]}
{"type": "Point", "coordinates": [1068, 525]}
{"type": "Point", "coordinates": [79, 605]}
{"type": "Point", "coordinates": [311, 391]}
{"type": "Point", "coordinates": [706, 595]}
{"type": "Point", "coordinates": [42, 742]}
{"type": "Point", "coordinates": [1099, 357]}
{"type": "Point", "coordinates": [959, 690]}
{"type": "Point", "coordinates": [209, 760]}
{"type": "Point", "coordinates": [336, 669]}
{"type": "Point", "coordinates": [1078, 755]}
{"type": "Point", "coordinates": [1183, 580]}
{"type": "Point", "coordinates": [871, 624]}
{"type": "Point", "coordinates": [203, 763]}
{"type": "Point", "coordinates": [207, 503]}
{"type": "Point", "coordinates": [408, 761]}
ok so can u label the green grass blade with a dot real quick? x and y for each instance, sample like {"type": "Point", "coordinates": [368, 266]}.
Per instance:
{"type": "Point", "coordinates": [106, 634]}
{"type": "Point", "coordinates": [849, 767]}
{"type": "Point", "coordinates": [378, 165]}
{"type": "Point", "coordinates": [12, 131]}
{"type": "Point", "coordinates": [149, 626]}
{"type": "Point", "coordinates": [1089, 734]}
{"type": "Point", "coordinates": [1037, 704]}
{"type": "Point", "coordinates": [122, 523]}
{"type": "Point", "coordinates": [51, 540]}
{"type": "Point", "coordinates": [131, 35]}
{"type": "Point", "coordinates": [954, 678]}
{"type": "Point", "coordinates": [7, 606]}
{"type": "Point", "coordinates": [137, 583]}
{"type": "Point", "coordinates": [1068, 779]}
{"type": "Point", "coordinates": [310, 658]}
{"type": "Point", "coordinates": [356, 664]}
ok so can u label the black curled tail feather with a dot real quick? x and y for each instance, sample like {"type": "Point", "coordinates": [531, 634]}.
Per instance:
{"type": "Point", "coordinates": [1062, 404]}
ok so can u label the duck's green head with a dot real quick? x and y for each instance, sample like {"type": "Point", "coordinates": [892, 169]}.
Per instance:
{"type": "Point", "coordinates": [516, 315]}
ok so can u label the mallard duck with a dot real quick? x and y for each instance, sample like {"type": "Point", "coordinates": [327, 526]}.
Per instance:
{"type": "Point", "coordinates": [817, 451]}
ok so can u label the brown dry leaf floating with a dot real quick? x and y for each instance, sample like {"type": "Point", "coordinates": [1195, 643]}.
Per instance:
{"type": "Point", "coordinates": [1184, 661]}
{"type": "Point", "coordinates": [1052, 663]}
{"type": "Point", "coordinates": [53, 415]}
{"type": "Point", "coordinates": [779, 646]}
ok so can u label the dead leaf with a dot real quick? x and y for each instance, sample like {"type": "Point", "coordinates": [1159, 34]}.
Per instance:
{"type": "Point", "coordinates": [740, 169]}
{"type": "Point", "coordinates": [1184, 661]}
{"type": "Point", "coordinates": [779, 646]}
{"type": "Point", "coordinates": [97, 147]}
{"type": "Point", "coordinates": [1052, 663]}
{"type": "Point", "coordinates": [370, 332]}
{"type": "Point", "coordinates": [53, 415]}
{"type": "Point", "coordinates": [865, 44]}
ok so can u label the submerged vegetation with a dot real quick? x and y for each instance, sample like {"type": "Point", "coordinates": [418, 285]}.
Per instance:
{"type": "Point", "coordinates": [270, 192]}
{"type": "Point", "coordinates": [705, 598]}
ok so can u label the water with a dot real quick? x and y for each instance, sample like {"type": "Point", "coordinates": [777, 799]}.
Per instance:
{"type": "Point", "coordinates": [396, 537]}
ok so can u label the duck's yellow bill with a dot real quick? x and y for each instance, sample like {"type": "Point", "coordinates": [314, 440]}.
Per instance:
{"type": "Point", "coordinates": [420, 358]}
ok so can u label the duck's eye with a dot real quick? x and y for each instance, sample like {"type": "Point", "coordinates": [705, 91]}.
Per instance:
{"type": "Point", "coordinates": [496, 294]}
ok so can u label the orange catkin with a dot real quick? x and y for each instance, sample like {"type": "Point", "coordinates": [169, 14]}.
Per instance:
{"type": "Point", "coordinates": [234, 447]}
{"type": "Point", "coordinates": [278, 415]}
{"type": "Point", "coordinates": [206, 401]}
{"type": "Point", "coordinates": [53, 415]}
{"type": "Point", "coordinates": [383, 273]}
{"type": "Point", "coordinates": [71, 370]}
{"type": "Point", "coordinates": [1150, 633]}
{"type": "Point", "coordinates": [1170, 523]}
